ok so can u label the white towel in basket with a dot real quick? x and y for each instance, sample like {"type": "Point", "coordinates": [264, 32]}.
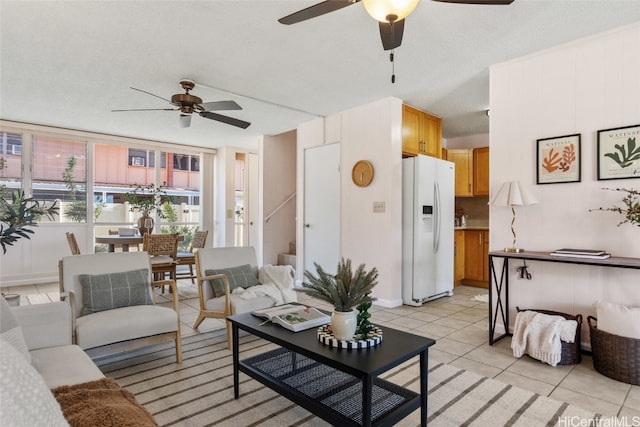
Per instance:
{"type": "Point", "coordinates": [540, 336]}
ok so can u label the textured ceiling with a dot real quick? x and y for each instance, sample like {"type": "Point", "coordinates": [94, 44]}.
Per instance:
{"type": "Point", "coordinates": [69, 64]}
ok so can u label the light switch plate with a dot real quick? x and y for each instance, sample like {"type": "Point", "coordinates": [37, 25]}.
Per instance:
{"type": "Point", "coordinates": [378, 207]}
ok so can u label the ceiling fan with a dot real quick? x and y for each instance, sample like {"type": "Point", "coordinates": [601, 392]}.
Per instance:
{"type": "Point", "coordinates": [389, 13]}
{"type": "Point", "coordinates": [188, 104]}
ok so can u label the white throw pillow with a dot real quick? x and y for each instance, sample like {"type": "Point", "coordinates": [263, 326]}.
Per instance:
{"type": "Point", "coordinates": [26, 400]}
{"type": "Point", "coordinates": [10, 331]}
{"type": "Point", "coordinates": [618, 319]}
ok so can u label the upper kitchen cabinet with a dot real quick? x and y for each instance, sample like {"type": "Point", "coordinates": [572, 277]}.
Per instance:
{"type": "Point", "coordinates": [463, 160]}
{"type": "Point", "coordinates": [472, 171]}
{"type": "Point", "coordinates": [421, 133]}
{"type": "Point", "coordinates": [481, 171]}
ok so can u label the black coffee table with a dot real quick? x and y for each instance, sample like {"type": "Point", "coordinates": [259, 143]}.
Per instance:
{"type": "Point", "coordinates": [338, 385]}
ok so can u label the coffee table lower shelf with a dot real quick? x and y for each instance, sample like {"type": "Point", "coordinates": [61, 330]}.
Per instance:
{"type": "Point", "coordinates": [331, 394]}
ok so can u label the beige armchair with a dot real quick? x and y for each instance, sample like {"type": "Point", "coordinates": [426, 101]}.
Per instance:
{"type": "Point", "coordinates": [112, 303]}
{"type": "Point", "coordinates": [236, 264]}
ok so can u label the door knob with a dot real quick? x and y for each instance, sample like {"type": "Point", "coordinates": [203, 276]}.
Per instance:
{"type": "Point", "coordinates": [307, 225]}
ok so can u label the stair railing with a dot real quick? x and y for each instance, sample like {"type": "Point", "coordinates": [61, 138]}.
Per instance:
{"type": "Point", "coordinates": [280, 206]}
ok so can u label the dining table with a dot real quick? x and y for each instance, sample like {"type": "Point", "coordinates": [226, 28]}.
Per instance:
{"type": "Point", "coordinates": [112, 240]}
{"type": "Point", "coordinates": [115, 239]}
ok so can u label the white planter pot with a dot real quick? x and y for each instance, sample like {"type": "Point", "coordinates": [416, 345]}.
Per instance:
{"type": "Point", "coordinates": [343, 324]}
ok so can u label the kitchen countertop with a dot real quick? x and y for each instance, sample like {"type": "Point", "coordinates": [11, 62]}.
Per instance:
{"type": "Point", "coordinates": [474, 224]}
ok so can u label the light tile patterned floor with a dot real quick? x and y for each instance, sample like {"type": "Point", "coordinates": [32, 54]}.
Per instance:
{"type": "Point", "coordinates": [459, 325]}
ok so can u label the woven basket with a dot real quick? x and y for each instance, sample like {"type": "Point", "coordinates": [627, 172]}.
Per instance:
{"type": "Point", "coordinates": [571, 354]}
{"type": "Point", "coordinates": [615, 356]}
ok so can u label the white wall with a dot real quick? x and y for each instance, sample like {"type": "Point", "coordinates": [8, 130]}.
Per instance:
{"type": "Point", "coordinates": [580, 87]}
{"type": "Point", "coordinates": [370, 132]}
{"type": "Point", "coordinates": [374, 132]}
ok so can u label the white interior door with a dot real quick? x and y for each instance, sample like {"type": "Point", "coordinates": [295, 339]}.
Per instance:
{"type": "Point", "coordinates": [322, 207]}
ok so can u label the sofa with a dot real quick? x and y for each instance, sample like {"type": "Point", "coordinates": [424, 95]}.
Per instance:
{"type": "Point", "coordinates": [46, 380]}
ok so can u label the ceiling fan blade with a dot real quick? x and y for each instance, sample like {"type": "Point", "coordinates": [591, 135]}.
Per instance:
{"type": "Point", "coordinates": [220, 105]}
{"type": "Point", "coordinates": [391, 34]}
{"type": "Point", "coordinates": [185, 120]}
{"type": "Point", "coordinates": [487, 2]}
{"type": "Point", "coordinates": [152, 94]}
{"type": "Point", "coordinates": [146, 109]}
{"type": "Point", "coordinates": [225, 119]}
{"type": "Point", "coordinates": [315, 11]}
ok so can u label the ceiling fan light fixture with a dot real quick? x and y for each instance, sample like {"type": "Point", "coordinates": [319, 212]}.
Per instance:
{"type": "Point", "coordinates": [389, 10]}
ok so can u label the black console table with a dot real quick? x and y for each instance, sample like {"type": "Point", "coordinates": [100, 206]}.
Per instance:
{"type": "Point", "coordinates": [500, 284]}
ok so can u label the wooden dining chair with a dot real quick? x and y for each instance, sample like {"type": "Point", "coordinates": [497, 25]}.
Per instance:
{"type": "Point", "coordinates": [189, 258]}
{"type": "Point", "coordinates": [162, 250]}
{"type": "Point", "coordinates": [73, 244]}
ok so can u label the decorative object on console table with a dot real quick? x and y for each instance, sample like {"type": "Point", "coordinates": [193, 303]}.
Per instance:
{"type": "Point", "coordinates": [345, 290]}
{"type": "Point", "coordinates": [631, 211]}
{"type": "Point", "coordinates": [619, 153]}
{"type": "Point", "coordinates": [558, 160]}
{"type": "Point", "coordinates": [513, 194]}
{"type": "Point", "coordinates": [581, 253]}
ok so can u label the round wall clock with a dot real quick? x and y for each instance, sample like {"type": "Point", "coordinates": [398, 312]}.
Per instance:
{"type": "Point", "coordinates": [362, 173]}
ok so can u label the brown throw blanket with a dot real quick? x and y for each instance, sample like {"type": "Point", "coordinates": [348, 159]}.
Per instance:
{"type": "Point", "coordinates": [101, 403]}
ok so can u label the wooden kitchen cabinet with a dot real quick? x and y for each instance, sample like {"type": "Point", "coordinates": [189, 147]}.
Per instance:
{"type": "Point", "coordinates": [472, 171]}
{"type": "Point", "coordinates": [481, 171]}
{"type": "Point", "coordinates": [476, 256]}
{"type": "Point", "coordinates": [463, 159]}
{"type": "Point", "coordinates": [458, 257]}
{"type": "Point", "coordinates": [421, 133]}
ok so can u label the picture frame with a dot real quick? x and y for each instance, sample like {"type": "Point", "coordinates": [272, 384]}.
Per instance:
{"type": "Point", "coordinates": [619, 153]}
{"type": "Point", "coordinates": [558, 159]}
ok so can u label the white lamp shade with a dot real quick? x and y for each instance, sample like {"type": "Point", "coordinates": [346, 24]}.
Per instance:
{"type": "Point", "coordinates": [382, 9]}
{"type": "Point", "coordinates": [512, 193]}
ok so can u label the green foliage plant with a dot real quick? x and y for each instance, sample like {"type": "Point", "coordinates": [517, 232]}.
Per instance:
{"type": "Point", "coordinates": [631, 209]}
{"type": "Point", "coordinates": [19, 215]}
{"type": "Point", "coordinates": [147, 198]}
{"type": "Point", "coordinates": [344, 290]}
{"type": "Point", "coordinates": [77, 209]}
{"type": "Point", "coordinates": [364, 325]}
{"type": "Point", "coordinates": [169, 212]}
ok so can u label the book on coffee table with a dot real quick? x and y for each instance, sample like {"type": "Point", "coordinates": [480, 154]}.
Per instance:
{"type": "Point", "coordinates": [293, 316]}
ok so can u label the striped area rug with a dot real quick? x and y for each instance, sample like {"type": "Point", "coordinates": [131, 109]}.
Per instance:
{"type": "Point", "coordinates": [200, 391]}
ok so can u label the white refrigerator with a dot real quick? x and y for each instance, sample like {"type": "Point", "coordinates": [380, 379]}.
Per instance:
{"type": "Point", "coordinates": [427, 229]}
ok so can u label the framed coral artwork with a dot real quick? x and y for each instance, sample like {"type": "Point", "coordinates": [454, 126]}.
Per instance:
{"type": "Point", "coordinates": [558, 160]}
{"type": "Point", "coordinates": [619, 153]}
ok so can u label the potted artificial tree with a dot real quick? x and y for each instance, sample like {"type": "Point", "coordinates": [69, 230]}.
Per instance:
{"type": "Point", "coordinates": [18, 214]}
{"type": "Point", "coordinates": [144, 200]}
{"type": "Point", "coordinates": [345, 290]}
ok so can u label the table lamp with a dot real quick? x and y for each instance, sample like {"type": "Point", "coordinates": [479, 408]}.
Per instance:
{"type": "Point", "coordinates": [513, 194]}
